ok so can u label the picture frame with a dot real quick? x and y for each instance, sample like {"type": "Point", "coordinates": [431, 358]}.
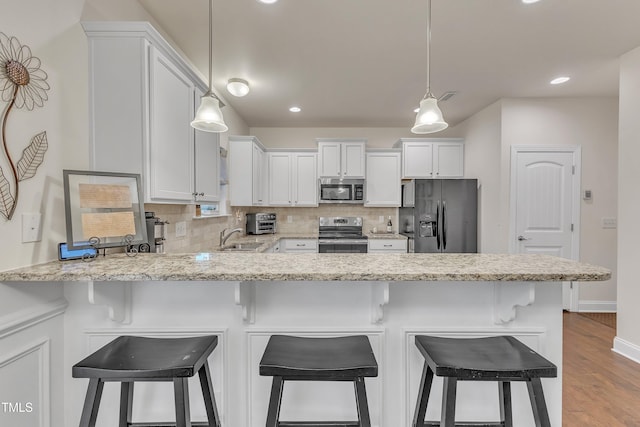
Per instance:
{"type": "Point", "coordinates": [103, 209]}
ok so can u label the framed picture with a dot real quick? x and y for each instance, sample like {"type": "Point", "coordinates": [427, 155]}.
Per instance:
{"type": "Point", "coordinates": [103, 209]}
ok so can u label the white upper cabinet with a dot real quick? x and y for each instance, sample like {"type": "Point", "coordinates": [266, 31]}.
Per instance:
{"type": "Point", "coordinates": [293, 179]}
{"type": "Point", "coordinates": [432, 158]}
{"type": "Point", "coordinates": [341, 159]}
{"type": "Point", "coordinates": [207, 164]}
{"type": "Point", "coordinates": [247, 171]}
{"type": "Point", "coordinates": [383, 179]}
{"type": "Point", "coordinates": [140, 113]}
{"type": "Point", "coordinates": [171, 138]}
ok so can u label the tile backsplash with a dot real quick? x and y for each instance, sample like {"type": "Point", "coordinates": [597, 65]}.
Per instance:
{"type": "Point", "coordinates": [203, 234]}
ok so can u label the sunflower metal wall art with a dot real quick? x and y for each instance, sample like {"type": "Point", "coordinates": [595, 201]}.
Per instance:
{"type": "Point", "coordinates": [23, 85]}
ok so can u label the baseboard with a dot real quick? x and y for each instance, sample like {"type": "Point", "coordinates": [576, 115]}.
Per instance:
{"type": "Point", "coordinates": [587, 306]}
{"type": "Point", "coordinates": [625, 348]}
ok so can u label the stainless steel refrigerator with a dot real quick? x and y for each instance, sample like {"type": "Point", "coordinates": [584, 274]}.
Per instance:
{"type": "Point", "coordinates": [445, 215]}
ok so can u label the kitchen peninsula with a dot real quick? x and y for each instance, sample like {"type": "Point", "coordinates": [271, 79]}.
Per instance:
{"type": "Point", "coordinates": [245, 298]}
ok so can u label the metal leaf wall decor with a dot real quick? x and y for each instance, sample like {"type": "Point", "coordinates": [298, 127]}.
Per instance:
{"type": "Point", "coordinates": [22, 84]}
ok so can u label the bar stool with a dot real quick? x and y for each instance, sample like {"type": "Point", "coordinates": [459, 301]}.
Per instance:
{"type": "Point", "coordinates": [502, 359]}
{"type": "Point", "coordinates": [128, 359]}
{"type": "Point", "coordinates": [290, 358]}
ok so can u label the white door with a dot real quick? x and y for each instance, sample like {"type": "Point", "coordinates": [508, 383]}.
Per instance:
{"type": "Point", "coordinates": [545, 201]}
{"type": "Point", "coordinates": [329, 160]}
{"type": "Point", "coordinates": [353, 160]}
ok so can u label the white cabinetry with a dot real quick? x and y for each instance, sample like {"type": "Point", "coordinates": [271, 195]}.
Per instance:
{"type": "Point", "coordinates": [341, 159]}
{"type": "Point", "coordinates": [432, 158]}
{"type": "Point", "coordinates": [140, 113]}
{"type": "Point", "coordinates": [292, 179]}
{"type": "Point", "coordinates": [247, 171]}
{"type": "Point", "coordinates": [383, 179]}
{"type": "Point", "coordinates": [387, 246]}
{"type": "Point", "coordinates": [299, 245]}
{"type": "Point", "coordinates": [207, 165]}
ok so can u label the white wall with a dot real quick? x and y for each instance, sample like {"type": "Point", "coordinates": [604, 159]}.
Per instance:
{"type": "Point", "coordinates": [482, 147]}
{"type": "Point", "coordinates": [628, 333]}
{"type": "Point", "coordinates": [593, 124]}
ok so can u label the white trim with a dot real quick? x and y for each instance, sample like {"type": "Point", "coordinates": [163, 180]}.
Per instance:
{"type": "Point", "coordinates": [220, 385]}
{"type": "Point", "coordinates": [42, 348]}
{"type": "Point", "coordinates": [455, 332]}
{"type": "Point", "coordinates": [626, 349]}
{"type": "Point", "coordinates": [26, 318]}
{"type": "Point", "coordinates": [379, 350]}
{"type": "Point", "coordinates": [590, 306]}
{"type": "Point", "coordinates": [576, 150]}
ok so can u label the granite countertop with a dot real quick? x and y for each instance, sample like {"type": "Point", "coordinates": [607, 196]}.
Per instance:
{"type": "Point", "coordinates": [225, 266]}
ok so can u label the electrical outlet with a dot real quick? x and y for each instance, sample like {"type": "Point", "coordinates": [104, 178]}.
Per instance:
{"type": "Point", "coordinates": [31, 231]}
{"type": "Point", "coordinates": [181, 229]}
{"type": "Point", "coordinates": [381, 219]}
{"type": "Point", "coordinates": [289, 219]}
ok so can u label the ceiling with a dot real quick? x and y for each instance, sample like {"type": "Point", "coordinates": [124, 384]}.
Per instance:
{"type": "Point", "coordinates": [362, 63]}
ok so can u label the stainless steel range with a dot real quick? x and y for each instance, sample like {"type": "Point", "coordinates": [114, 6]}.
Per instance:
{"type": "Point", "coordinates": [341, 235]}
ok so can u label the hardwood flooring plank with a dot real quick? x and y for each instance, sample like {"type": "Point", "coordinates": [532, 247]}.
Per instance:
{"type": "Point", "coordinates": [600, 387]}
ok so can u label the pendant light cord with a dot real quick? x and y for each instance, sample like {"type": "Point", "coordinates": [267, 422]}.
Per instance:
{"type": "Point", "coordinates": [211, 42]}
{"type": "Point", "coordinates": [428, 49]}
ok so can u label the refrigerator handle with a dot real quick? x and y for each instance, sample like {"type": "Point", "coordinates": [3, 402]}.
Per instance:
{"type": "Point", "coordinates": [438, 225]}
{"type": "Point", "coordinates": [444, 225]}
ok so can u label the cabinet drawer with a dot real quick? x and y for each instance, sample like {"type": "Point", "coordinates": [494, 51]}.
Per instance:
{"type": "Point", "coordinates": [387, 245]}
{"type": "Point", "coordinates": [308, 245]}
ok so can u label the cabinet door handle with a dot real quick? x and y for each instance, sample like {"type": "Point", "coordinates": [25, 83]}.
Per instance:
{"type": "Point", "coordinates": [301, 244]}
{"type": "Point", "coordinates": [387, 246]}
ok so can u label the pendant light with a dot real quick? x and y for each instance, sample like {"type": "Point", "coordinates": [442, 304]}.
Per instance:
{"type": "Point", "coordinates": [429, 118]}
{"type": "Point", "coordinates": [209, 117]}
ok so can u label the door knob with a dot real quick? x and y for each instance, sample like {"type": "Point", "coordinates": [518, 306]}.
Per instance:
{"type": "Point", "coordinates": [521, 238]}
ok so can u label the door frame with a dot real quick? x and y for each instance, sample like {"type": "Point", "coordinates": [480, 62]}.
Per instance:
{"type": "Point", "coordinates": [576, 150]}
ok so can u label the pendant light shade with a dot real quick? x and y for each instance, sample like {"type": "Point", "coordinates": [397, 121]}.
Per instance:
{"type": "Point", "coordinates": [429, 118]}
{"type": "Point", "coordinates": [209, 117]}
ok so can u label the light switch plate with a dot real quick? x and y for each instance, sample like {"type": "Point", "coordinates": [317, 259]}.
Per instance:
{"type": "Point", "coordinates": [181, 229]}
{"type": "Point", "coordinates": [31, 230]}
{"type": "Point", "coordinates": [609, 223]}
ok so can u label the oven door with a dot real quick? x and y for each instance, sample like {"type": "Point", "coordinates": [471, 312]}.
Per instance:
{"type": "Point", "coordinates": [335, 246]}
{"type": "Point", "coordinates": [336, 193]}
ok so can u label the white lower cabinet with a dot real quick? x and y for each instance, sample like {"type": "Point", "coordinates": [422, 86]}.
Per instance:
{"type": "Point", "coordinates": [396, 246]}
{"type": "Point", "coordinates": [383, 187]}
{"type": "Point", "coordinates": [292, 179]}
{"type": "Point", "coordinates": [299, 245]}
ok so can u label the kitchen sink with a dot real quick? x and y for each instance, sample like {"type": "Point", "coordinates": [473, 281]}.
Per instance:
{"type": "Point", "coordinates": [248, 246]}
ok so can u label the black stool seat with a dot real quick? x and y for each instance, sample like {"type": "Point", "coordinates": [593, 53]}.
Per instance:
{"type": "Point", "coordinates": [141, 357]}
{"type": "Point", "coordinates": [502, 359]}
{"type": "Point", "coordinates": [491, 358]}
{"type": "Point", "coordinates": [290, 358]}
{"type": "Point", "coordinates": [128, 359]}
{"type": "Point", "coordinates": [341, 357]}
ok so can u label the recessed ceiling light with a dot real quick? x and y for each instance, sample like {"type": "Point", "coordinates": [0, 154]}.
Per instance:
{"type": "Point", "coordinates": [416, 110]}
{"type": "Point", "coordinates": [560, 80]}
{"type": "Point", "coordinates": [530, 1]}
{"type": "Point", "coordinates": [267, 1]}
{"type": "Point", "coordinates": [295, 109]}
{"type": "Point", "coordinates": [238, 87]}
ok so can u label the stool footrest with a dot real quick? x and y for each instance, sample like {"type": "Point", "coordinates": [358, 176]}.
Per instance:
{"type": "Point", "coordinates": [466, 424]}
{"type": "Point", "coordinates": [168, 424]}
{"type": "Point", "coordinates": [318, 424]}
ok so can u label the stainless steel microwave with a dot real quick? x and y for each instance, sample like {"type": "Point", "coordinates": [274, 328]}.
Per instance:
{"type": "Point", "coordinates": [341, 190]}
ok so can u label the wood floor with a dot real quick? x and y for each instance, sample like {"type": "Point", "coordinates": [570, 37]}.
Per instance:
{"type": "Point", "coordinates": [600, 387]}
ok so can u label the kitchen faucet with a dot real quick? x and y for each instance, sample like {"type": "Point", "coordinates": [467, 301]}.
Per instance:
{"type": "Point", "coordinates": [224, 237]}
